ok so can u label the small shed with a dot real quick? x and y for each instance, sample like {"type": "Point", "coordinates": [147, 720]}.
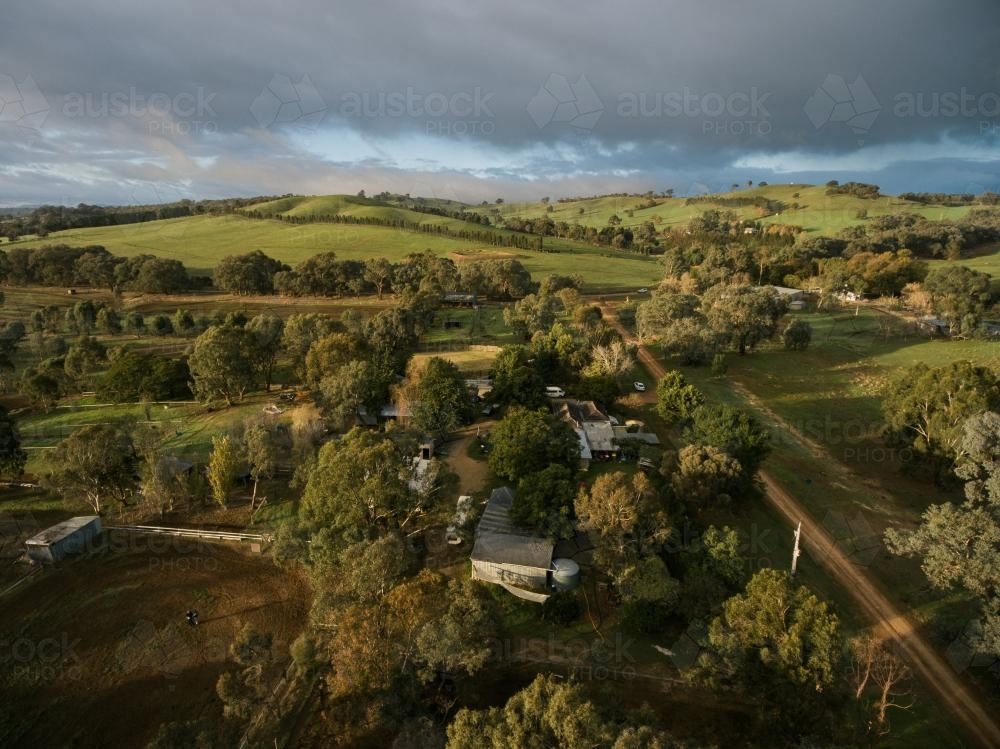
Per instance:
{"type": "Point", "coordinates": [460, 299]}
{"type": "Point", "coordinates": [518, 560]}
{"type": "Point", "coordinates": [65, 538]}
{"type": "Point", "coordinates": [789, 294]}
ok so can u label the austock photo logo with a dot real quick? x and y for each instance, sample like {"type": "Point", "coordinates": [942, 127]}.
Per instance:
{"type": "Point", "coordinates": [836, 100]}
{"type": "Point", "coordinates": [144, 204]}
{"type": "Point", "coordinates": [14, 531]}
{"type": "Point", "coordinates": [283, 102]}
{"type": "Point", "coordinates": [160, 649]}
{"type": "Point", "coordinates": [967, 650]}
{"type": "Point", "coordinates": [853, 537]}
{"type": "Point", "coordinates": [22, 105]}
{"type": "Point", "coordinates": [45, 659]}
{"type": "Point", "coordinates": [559, 101]}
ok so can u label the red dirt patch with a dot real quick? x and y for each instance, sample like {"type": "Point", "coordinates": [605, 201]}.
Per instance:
{"type": "Point", "coordinates": [101, 655]}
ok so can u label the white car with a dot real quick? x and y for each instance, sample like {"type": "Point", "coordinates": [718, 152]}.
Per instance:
{"type": "Point", "coordinates": [643, 290]}
{"type": "Point", "coordinates": [639, 386]}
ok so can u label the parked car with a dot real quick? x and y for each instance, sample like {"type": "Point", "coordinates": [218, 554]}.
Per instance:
{"type": "Point", "coordinates": [554, 392]}
{"type": "Point", "coordinates": [639, 386]}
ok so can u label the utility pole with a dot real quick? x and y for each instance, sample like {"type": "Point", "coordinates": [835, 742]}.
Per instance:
{"type": "Point", "coordinates": [796, 550]}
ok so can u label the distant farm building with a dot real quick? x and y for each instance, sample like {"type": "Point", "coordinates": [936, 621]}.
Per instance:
{"type": "Point", "coordinates": [935, 324]}
{"type": "Point", "coordinates": [517, 560]}
{"type": "Point", "coordinates": [68, 537]}
{"type": "Point", "coordinates": [466, 300]}
{"type": "Point", "coordinates": [790, 294]}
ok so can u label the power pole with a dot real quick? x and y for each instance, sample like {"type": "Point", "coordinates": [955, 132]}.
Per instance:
{"type": "Point", "coordinates": [795, 549]}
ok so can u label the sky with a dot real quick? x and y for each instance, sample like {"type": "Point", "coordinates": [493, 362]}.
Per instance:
{"type": "Point", "coordinates": [110, 102]}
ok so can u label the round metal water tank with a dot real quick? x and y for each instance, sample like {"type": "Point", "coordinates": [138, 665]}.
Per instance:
{"type": "Point", "coordinates": [565, 574]}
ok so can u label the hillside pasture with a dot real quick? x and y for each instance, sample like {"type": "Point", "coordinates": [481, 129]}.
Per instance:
{"type": "Point", "coordinates": [816, 212]}
{"type": "Point", "coordinates": [200, 242]}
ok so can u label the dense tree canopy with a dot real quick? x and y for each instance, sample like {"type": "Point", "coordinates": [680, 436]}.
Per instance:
{"type": "Point", "coordinates": [359, 483]}
{"type": "Point", "coordinates": [12, 457]}
{"type": "Point", "coordinates": [251, 273]}
{"type": "Point", "coordinates": [676, 399]}
{"type": "Point", "coordinates": [96, 463]}
{"type": "Point", "coordinates": [959, 544]}
{"type": "Point", "coordinates": [627, 516]}
{"type": "Point", "coordinates": [526, 441]}
{"type": "Point", "coordinates": [135, 376]}
{"type": "Point", "coordinates": [743, 315]}
{"type": "Point", "coordinates": [927, 406]}
{"type": "Point", "coordinates": [224, 363]}
{"type": "Point", "coordinates": [544, 501]}
{"type": "Point", "coordinates": [736, 432]}
{"type": "Point", "coordinates": [440, 399]}
{"type": "Point", "coordinates": [777, 629]}
{"type": "Point", "coordinates": [515, 380]}
{"type": "Point", "coordinates": [959, 295]}
{"type": "Point", "coordinates": [551, 713]}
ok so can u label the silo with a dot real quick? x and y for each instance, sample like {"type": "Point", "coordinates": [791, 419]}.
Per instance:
{"type": "Point", "coordinates": [565, 574]}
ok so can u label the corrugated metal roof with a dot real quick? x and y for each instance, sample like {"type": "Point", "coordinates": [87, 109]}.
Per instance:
{"type": "Point", "coordinates": [499, 541]}
{"type": "Point", "coordinates": [61, 530]}
{"type": "Point", "coordinates": [600, 436]}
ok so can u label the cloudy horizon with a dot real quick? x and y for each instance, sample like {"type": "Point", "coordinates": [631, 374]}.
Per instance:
{"type": "Point", "coordinates": [112, 105]}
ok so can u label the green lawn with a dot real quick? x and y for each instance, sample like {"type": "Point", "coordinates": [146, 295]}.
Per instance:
{"type": "Point", "coordinates": [985, 259]}
{"type": "Point", "coordinates": [186, 429]}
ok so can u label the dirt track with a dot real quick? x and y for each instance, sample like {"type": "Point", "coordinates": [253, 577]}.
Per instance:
{"type": "Point", "coordinates": [964, 705]}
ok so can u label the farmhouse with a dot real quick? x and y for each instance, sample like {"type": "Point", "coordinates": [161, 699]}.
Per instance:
{"type": "Point", "coordinates": [65, 538]}
{"type": "Point", "coordinates": [593, 428]}
{"type": "Point", "coordinates": [515, 559]}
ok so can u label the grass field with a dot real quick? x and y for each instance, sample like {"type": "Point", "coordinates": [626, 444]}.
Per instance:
{"type": "Point", "coordinates": [817, 212]}
{"type": "Point", "coordinates": [185, 429]}
{"type": "Point", "coordinates": [985, 259]}
{"type": "Point", "coordinates": [201, 241]}
{"type": "Point", "coordinates": [321, 206]}
{"type": "Point", "coordinates": [823, 407]}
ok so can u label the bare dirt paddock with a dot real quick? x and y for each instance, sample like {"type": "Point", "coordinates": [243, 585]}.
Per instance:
{"type": "Point", "coordinates": [97, 653]}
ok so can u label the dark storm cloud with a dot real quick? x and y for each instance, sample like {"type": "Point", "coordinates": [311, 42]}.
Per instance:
{"type": "Point", "coordinates": [550, 92]}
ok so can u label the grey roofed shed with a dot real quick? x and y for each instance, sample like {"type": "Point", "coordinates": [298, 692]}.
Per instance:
{"type": "Point", "coordinates": [68, 537]}
{"type": "Point", "coordinates": [508, 555]}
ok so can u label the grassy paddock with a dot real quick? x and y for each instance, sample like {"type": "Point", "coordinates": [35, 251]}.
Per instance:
{"type": "Point", "coordinates": [186, 429]}
{"type": "Point", "coordinates": [200, 242]}
{"type": "Point", "coordinates": [816, 212]}
{"type": "Point", "coordinates": [845, 471]}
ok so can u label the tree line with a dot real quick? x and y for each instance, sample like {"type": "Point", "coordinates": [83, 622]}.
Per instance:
{"type": "Point", "coordinates": [44, 219]}
{"type": "Point", "coordinates": [479, 236]}
{"type": "Point", "coordinates": [326, 275]}
{"type": "Point", "coordinates": [66, 266]}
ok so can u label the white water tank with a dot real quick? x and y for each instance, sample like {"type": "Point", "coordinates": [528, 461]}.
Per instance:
{"type": "Point", "coordinates": [565, 574]}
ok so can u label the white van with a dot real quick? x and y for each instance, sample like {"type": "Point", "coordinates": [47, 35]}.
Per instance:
{"type": "Point", "coordinates": [553, 392]}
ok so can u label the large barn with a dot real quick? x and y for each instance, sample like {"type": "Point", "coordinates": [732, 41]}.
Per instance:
{"type": "Point", "coordinates": [65, 538]}
{"type": "Point", "coordinates": [518, 560]}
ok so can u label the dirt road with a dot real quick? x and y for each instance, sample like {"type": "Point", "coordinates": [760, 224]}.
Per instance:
{"type": "Point", "coordinates": [929, 666]}
{"type": "Point", "coordinates": [472, 474]}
